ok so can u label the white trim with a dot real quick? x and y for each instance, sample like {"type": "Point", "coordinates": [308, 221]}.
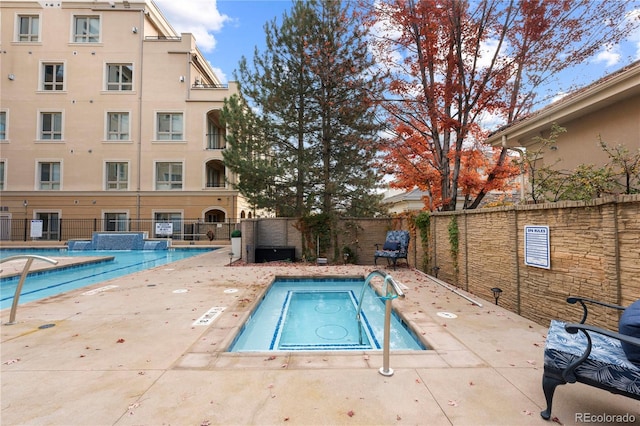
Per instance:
{"type": "Point", "coordinates": [72, 32]}
{"type": "Point", "coordinates": [38, 161]}
{"type": "Point", "coordinates": [16, 27]}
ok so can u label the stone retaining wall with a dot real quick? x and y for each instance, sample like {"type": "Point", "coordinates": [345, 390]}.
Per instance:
{"type": "Point", "coordinates": [594, 251]}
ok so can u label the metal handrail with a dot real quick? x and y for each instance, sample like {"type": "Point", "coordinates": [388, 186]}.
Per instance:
{"type": "Point", "coordinates": [385, 370]}
{"type": "Point", "coordinates": [16, 297]}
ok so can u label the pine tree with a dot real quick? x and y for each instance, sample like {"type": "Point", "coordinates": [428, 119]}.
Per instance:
{"type": "Point", "coordinates": [310, 110]}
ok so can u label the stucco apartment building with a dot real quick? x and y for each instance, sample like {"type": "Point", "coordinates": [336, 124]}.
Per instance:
{"type": "Point", "coordinates": [607, 110]}
{"type": "Point", "coordinates": [107, 114]}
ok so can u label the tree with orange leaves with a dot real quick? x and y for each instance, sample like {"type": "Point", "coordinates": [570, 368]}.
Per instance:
{"type": "Point", "coordinates": [454, 62]}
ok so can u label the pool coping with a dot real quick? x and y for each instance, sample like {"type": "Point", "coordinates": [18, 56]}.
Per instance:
{"type": "Point", "coordinates": [43, 268]}
{"type": "Point", "coordinates": [443, 348]}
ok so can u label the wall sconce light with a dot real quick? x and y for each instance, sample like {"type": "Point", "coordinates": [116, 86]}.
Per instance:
{"type": "Point", "coordinates": [134, 30]}
{"type": "Point", "coordinates": [11, 77]}
{"type": "Point", "coordinates": [25, 203]}
{"type": "Point", "coordinates": [496, 293]}
{"type": "Point", "coordinates": [182, 79]}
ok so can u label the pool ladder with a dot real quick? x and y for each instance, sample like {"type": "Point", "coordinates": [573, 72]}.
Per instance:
{"type": "Point", "coordinates": [390, 292]}
{"type": "Point", "coordinates": [30, 258]}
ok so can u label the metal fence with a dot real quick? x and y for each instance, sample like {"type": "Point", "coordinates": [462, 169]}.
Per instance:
{"type": "Point", "coordinates": [83, 229]}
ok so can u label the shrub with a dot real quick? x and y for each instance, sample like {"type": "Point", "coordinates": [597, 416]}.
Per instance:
{"type": "Point", "coordinates": [236, 233]}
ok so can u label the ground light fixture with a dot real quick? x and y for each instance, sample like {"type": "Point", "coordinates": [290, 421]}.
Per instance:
{"type": "Point", "coordinates": [230, 258]}
{"type": "Point", "coordinates": [496, 293]}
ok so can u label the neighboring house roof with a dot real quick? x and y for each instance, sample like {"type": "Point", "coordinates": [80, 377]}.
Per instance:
{"type": "Point", "coordinates": [610, 89]}
{"type": "Point", "coordinates": [414, 195]}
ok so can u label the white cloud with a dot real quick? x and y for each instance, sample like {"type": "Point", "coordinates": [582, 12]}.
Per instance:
{"type": "Point", "coordinates": [198, 17]}
{"type": "Point", "coordinates": [634, 36]}
{"type": "Point", "coordinates": [609, 55]}
{"type": "Point", "coordinates": [221, 75]}
{"type": "Point", "coordinates": [487, 52]}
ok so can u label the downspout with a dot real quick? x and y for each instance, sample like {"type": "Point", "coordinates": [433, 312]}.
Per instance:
{"type": "Point", "coordinates": [515, 223]}
{"type": "Point", "coordinates": [521, 152]}
{"type": "Point", "coordinates": [139, 153]}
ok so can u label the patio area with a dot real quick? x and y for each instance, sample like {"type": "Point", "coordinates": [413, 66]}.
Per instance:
{"type": "Point", "coordinates": [136, 354]}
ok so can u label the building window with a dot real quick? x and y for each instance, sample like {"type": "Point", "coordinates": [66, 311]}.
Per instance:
{"type": "Point", "coordinates": [49, 176]}
{"type": "Point", "coordinates": [215, 136]}
{"type": "Point", "coordinates": [116, 222]}
{"type": "Point", "coordinates": [28, 28]}
{"type": "Point", "coordinates": [51, 126]}
{"type": "Point", "coordinates": [117, 176]}
{"type": "Point", "coordinates": [86, 29]}
{"type": "Point", "coordinates": [53, 76]}
{"type": "Point", "coordinates": [2, 179]}
{"type": "Point", "coordinates": [118, 126]}
{"type": "Point", "coordinates": [3, 126]}
{"type": "Point", "coordinates": [168, 176]}
{"type": "Point", "coordinates": [50, 225]}
{"type": "Point", "coordinates": [169, 127]}
{"type": "Point", "coordinates": [119, 77]}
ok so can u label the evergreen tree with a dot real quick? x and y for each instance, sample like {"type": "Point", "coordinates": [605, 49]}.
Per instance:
{"type": "Point", "coordinates": [312, 116]}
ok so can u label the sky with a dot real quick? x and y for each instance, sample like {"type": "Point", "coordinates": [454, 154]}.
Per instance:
{"type": "Point", "coordinates": [226, 30]}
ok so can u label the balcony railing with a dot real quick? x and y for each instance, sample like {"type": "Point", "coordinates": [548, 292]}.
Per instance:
{"type": "Point", "coordinates": [214, 141]}
{"type": "Point", "coordinates": [216, 184]}
{"type": "Point", "coordinates": [209, 86]}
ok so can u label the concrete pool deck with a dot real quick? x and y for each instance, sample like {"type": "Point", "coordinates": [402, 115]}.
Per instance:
{"type": "Point", "coordinates": [136, 354]}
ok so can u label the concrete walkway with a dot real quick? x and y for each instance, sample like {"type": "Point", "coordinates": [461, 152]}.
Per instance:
{"type": "Point", "coordinates": [135, 354]}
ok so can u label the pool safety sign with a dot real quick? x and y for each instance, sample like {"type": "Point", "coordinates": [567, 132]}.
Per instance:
{"type": "Point", "coordinates": [164, 228]}
{"type": "Point", "coordinates": [36, 229]}
{"type": "Point", "coordinates": [536, 246]}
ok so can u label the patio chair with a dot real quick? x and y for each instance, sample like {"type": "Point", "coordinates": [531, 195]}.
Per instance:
{"type": "Point", "coordinates": [594, 356]}
{"type": "Point", "coordinates": [395, 247]}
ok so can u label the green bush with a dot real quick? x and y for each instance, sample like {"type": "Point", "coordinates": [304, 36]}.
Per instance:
{"type": "Point", "coordinates": [236, 233]}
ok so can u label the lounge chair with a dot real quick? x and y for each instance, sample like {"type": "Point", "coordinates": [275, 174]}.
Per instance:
{"type": "Point", "coordinates": [577, 352]}
{"type": "Point", "coordinates": [395, 247]}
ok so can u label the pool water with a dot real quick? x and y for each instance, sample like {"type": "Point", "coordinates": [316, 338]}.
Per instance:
{"type": "Point", "coordinates": [39, 285]}
{"type": "Point", "coordinates": [299, 314]}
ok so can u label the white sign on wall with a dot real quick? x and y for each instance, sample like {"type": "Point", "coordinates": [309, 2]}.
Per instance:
{"type": "Point", "coordinates": [164, 228]}
{"type": "Point", "coordinates": [536, 246]}
{"type": "Point", "coordinates": [36, 228]}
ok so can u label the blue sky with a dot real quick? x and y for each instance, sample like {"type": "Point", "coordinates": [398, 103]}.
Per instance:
{"type": "Point", "coordinates": [226, 30]}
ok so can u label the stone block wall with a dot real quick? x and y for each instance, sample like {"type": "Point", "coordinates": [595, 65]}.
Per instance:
{"type": "Point", "coordinates": [594, 252]}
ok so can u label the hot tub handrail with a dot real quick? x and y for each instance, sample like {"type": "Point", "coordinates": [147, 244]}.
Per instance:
{"type": "Point", "coordinates": [387, 279]}
{"type": "Point", "coordinates": [16, 297]}
{"type": "Point", "coordinates": [385, 370]}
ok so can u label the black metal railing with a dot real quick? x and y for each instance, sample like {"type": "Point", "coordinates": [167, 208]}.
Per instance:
{"type": "Point", "coordinates": [83, 229]}
{"type": "Point", "coordinates": [209, 86]}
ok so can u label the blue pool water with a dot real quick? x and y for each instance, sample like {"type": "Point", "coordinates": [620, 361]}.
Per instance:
{"type": "Point", "coordinates": [39, 285]}
{"type": "Point", "coordinates": [320, 314]}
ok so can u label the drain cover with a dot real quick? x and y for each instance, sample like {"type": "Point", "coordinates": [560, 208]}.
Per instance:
{"type": "Point", "coordinates": [231, 290]}
{"type": "Point", "coordinates": [447, 315]}
{"type": "Point", "coordinates": [42, 327]}
{"type": "Point", "coordinates": [180, 290]}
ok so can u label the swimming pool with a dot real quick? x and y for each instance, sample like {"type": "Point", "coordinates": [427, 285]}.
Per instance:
{"type": "Point", "coordinates": [307, 314]}
{"type": "Point", "coordinates": [40, 285]}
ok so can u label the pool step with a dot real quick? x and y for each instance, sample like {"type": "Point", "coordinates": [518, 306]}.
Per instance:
{"type": "Point", "coordinates": [323, 347]}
